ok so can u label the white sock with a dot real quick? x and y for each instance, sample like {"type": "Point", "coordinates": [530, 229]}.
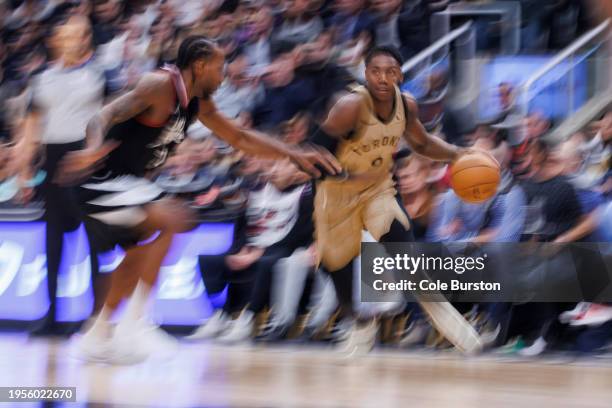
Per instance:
{"type": "Point", "coordinates": [101, 326]}
{"type": "Point", "coordinates": [137, 303]}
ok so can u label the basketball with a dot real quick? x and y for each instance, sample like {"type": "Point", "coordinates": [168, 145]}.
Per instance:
{"type": "Point", "coordinates": [475, 177]}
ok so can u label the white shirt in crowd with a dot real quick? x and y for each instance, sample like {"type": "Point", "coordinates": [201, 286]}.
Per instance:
{"type": "Point", "coordinates": [67, 98]}
{"type": "Point", "coordinates": [272, 213]}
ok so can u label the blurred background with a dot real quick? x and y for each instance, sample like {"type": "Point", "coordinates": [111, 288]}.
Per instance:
{"type": "Point", "coordinates": [529, 80]}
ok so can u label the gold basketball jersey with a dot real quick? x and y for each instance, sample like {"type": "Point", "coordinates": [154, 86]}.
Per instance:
{"type": "Point", "coordinates": [344, 208]}
{"type": "Point", "coordinates": [373, 142]}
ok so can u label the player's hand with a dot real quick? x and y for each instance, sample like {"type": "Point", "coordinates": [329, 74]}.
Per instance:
{"type": "Point", "coordinates": [313, 159]}
{"type": "Point", "coordinates": [78, 165]}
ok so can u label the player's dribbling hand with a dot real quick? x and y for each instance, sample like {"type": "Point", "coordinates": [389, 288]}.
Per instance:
{"type": "Point", "coordinates": [79, 165]}
{"type": "Point", "coordinates": [314, 159]}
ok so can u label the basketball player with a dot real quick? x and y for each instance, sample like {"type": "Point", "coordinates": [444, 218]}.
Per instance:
{"type": "Point", "coordinates": [126, 142]}
{"type": "Point", "coordinates": [363, 129]}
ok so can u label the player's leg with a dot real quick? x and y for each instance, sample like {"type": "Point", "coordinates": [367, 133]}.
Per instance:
{"type": "Point", "coordinates": [139, 269]}
{"type": "Point", "coordinates": [344, 281]}
{"type": "Point", "coordinates": [447, 320]}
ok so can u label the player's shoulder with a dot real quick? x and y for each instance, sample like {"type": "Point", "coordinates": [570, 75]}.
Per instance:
{"type": "Point", "coordinates": [349, 103]}
{"type": "Point", "coordinates": [154, 82]}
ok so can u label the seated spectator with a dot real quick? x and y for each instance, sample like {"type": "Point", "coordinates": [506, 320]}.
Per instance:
{"type": "Point", "coordinates": [554, 214]}
{"type": "Point", "coordinates": [351, 20]}
{"type": "Point", "coordinates": [300, 22]}
{"type": "Point", "coordinates": [497, 220]}
{"type": "Point", "coordinates": [277, 225]}
{"type": "Point", "coordinates": [221, 27]}
{"type": "Point", "coordinates": [106, 19]}
{"type": "Point", "coordinates": [239, 93]}
{"type": "Point", "coordinates": [418, 196]}
{"type": "Point", "coordinates": [286, 93]}
{"type": "Point", "coordinates": [259, 25]}
{"type": "Point", "coordinates": [232, 270]}
{"type": "Point", "coordinates": [162, 46]}
{"type": "Point", "coordinates": [401, 24]}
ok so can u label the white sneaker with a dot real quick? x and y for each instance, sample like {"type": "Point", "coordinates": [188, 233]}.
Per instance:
{"type": "Point", "coordinates": [134, 342]}
{"type": "Point", "coordinates": [595, 315]}
{"type": "Point", "coordinates": [239, 330]}
{"type": "Point", "coordinates": [576, 313]}
{"type": "Point", "coordinates": [92, 347]}
{"type": "Point", "coordinates": [158, 341]}
{"type": "Point", "coordinates": [359, 339]}
{"type": "Point", "coordinates": [214, 326]}
{"type": "Point", "coordinates": [535, 349]}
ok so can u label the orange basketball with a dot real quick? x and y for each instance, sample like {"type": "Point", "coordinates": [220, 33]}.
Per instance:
{"type": "Point", "coordinates": [475, 177]}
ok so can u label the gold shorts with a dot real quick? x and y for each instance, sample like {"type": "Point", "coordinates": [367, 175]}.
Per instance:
{"type": "Point", "coordinates": [342, 212]}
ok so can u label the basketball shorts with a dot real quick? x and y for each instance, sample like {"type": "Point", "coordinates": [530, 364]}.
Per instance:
{"type": "Point", "coordinates": [341, 215]}
{"type": "Point", "coordinates": [114, 207]}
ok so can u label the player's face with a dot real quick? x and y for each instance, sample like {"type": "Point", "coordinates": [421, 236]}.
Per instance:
{"type": "Point", "coordinates": [382, 74]}
{"type": "Point", "coordinates": [210, 74]}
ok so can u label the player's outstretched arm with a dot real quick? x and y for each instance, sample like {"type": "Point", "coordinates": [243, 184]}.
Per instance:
{"type": "Point", "coordinates": [261, 145]}
{"type": "Point", "coordinates": [422, 142]}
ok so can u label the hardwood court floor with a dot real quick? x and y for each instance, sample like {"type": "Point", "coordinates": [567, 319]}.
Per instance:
{"type": "Point", "coordinates": [208, 375]}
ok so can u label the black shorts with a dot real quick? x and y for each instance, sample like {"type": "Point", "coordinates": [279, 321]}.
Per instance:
{"type": "Point", "coordinates": [107, 237]}
{"type": "Point", "coordinates": [114, 206]}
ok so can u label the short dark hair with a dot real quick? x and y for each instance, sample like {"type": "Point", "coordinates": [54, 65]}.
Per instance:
{"type": "Point", "coordinates": [192, 49]}
{"type": "Point", "coordinates": [384, 50]}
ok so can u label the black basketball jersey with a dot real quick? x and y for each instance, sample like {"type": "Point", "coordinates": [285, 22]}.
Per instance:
{"type": "Point", "coordinates": [145, 146]}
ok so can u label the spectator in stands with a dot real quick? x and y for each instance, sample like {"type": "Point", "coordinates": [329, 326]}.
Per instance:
{"type": "Point", "coordinates": [221, 27]}
{"type": "Point", "coordinates": [277, 224]}
{"type": "Point", "coordinates": [239, 93]}
{"type": "Point", "coordinates": [30, 11]}
{"type": "Point", "coordinates": [300, 22]}
{"type": "Point", "coordinates": [554, 214]}
{"type": "Point", "coordinates": [497, 220]}
{"type": "Point", "coordinates": [351, 20]}
{"type": "Point", "coordinates": [106, 19]}
{"type": "Point", "coordinates": [286, 93]}
{"type": "Point", "coordinates": [401, 24]}
{"type": "Point", "coordinates": [162, 46]}
{"type": "Point", "coordinates": [233, 269]}
{"type": "Point", "coordinates": [260, 22]}
{"type": "Point", "coordinates": [418, 196]}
